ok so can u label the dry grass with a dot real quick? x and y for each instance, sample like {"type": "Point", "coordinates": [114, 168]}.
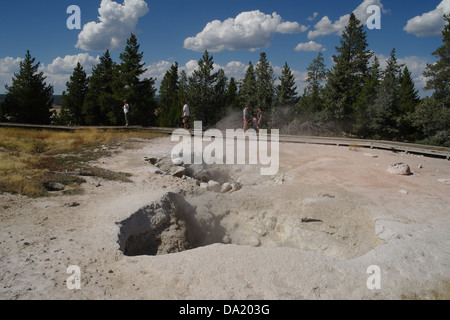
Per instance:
{"type": "Point", "coordinates": [441, 292]}
{"type": "Point", "coordinates": [29, 158]}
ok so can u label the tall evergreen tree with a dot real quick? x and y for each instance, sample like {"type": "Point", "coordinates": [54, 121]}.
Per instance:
{"type": "Point", "coordinates": [386, 108]}
{"type": "Point", "coordinates": [2, 117]}
{"type": "Point", "coordinates": [73, 98]}
{"type": "Point", "coordinates": [312, 99]}
{"type": "Point", "coordinates": [286, 92]}
{"type": "Point", "coordinates": [101, 106]}
{"type": "Point", "coordinates": [183, 87]}
{"type": "Point", "coordinates": [432, 121]}
{"type": "Point", "coordinates": [131, 68]}
{"type": "Point", "coordinates": [432, 116]}
{"type": "Point", "coordinates": [139, 93]}
{"type": "Point", "coordinates": [366, 100]}
{"type": "Point", "coordinates": [408, 95]}
{"type": "Point", "coordinates": [29, 99]}
{"type": "Point", "coordinates": [202, 86]}
{"type": "Point", "coordinates": [408, 100]}
{"type": "Point", "coordinates": [438, 74]}
{"type": "Point", "coordinates": [346, 78]}
{"type": "Point", "coordinates": [169, 101]}
{"type": "Point", "coordinates": [247, 91]}
{"type": "Point", "coordinates": [232, 94]}
{"type": "Point", "coordinates": [220, 94]}
{"type": "Point", "coordinates": [265, 88]}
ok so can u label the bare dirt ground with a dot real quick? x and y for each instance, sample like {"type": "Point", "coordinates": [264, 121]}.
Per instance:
{"type": "Point", "coordinates": [310, 232]}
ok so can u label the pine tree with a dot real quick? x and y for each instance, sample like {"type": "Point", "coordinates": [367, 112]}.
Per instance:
{"type": "Point", "coordinates": [144, 103]}
{"type": "Point", "coordinates": [386, 108]}
{"type": "Point", "coordinates": [408, 95]}
{"type": "Point", "coordinates": [366, 100]}
{"type": "Point", "coordinates": [312, 99]}
{"type": "Point", "coordinates": [2, 117]}
{"type": "Point", "coordinates": [101, 107]}
{"type": "Point", "coordinates": [220, 94]}
{"type": "Point", "coordinates": [432, 121]}
{"type": "Point", "coordinates": [140, 94]}
{"type": "Point", "coordinates": [247, 91]}
{"type": "Point", "coordinates": [438, 74]}
{"type": "Point", "coordinates": [169, 101]}
{"type": "Point", "coordinates": [29, 98]}
{"type": "Point", "coordinates": [232, 94]}
{"type": "Point", "coordinates": [408, 100]}
{"type": "Point", "coordinates": [346, 78]}
{"type": "Point", "coordinates": [183, 87]}
{"type": "Point", "coordinates": [265, 89]}
{"type": "Point", "coordinates": [131, 68]}
{"type": "Point", "coordinates": [287, 91]}
{"type": "Point", "coordinates": [432, 116]}
{"type": "Point", "coordinates": [73, 99]}
{"type": "Point", "coordinates": [201, 91]}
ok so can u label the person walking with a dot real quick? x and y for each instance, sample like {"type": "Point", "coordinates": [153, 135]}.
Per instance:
{"type": "Point", "coordinates": [255, 123]}
{"type": "Point", "coordinates": [259, 120]}
{"type": "Point", "coordinates": [126, 110]}
{"type": "Point", "coordinates": [246, 118]}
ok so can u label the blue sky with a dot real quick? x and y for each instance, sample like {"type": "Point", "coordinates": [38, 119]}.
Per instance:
{"type": "Point", "coordinates": [234, 32]}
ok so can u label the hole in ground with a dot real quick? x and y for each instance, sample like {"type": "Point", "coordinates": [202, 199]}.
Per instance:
{"type": "Point", "coordinates": [167, 226]}
{"type": "Point", "coordinates": [173, 225]}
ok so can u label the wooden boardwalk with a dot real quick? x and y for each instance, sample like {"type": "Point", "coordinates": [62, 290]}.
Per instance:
{"type": "Point", "coordinates": [425, 150]}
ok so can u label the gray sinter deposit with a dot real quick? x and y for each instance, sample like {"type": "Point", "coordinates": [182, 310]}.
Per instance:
{"type": "Point", "coordinates": [221, 212]}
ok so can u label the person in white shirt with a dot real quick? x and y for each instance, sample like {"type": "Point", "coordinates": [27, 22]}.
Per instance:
{"type": "Point", "coordinates": [126, 110]}
{"type": "Point", "coordinates": [186, 114]}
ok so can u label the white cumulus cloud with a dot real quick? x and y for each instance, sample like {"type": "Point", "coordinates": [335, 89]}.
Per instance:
{"type": "Point", "coordinates": [250, 30]}
{"type": "Point", "coordinates": [116, 23]}
{"type": "Point", "coordinates": [430, 23]}
{"type": "Point", "coordinates": [313, 17]}
{"type": "Point", "coordinates": [59, 71]}
{"type": "Point", "coordinates": [68, 63]}
{"type": "Point", "coordinates": [309, 46]}
{"type": "Point", "coordinates": [326, 27]}
{"type": "Point", "coordinates": [10, 65]}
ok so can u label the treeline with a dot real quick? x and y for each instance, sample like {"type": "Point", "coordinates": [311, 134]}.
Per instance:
{"type": "Point", "coordinates": [355, 97]}
{"type": "Point", "coordinates": [94, 100]}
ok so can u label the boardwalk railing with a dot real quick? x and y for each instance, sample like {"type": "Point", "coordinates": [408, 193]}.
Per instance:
{"type": "Point", "coordinates": [419, 149]}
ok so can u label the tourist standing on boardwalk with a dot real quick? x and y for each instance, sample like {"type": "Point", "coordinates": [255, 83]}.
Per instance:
{"type": "Point", "coordinates": [186, 114]}
{"type": "Point", "coordinates": [259, 120]}
{"type": "Point", "coordinates": [246, 118]}
{"type": "Point", "coordinates": [126, 110]}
